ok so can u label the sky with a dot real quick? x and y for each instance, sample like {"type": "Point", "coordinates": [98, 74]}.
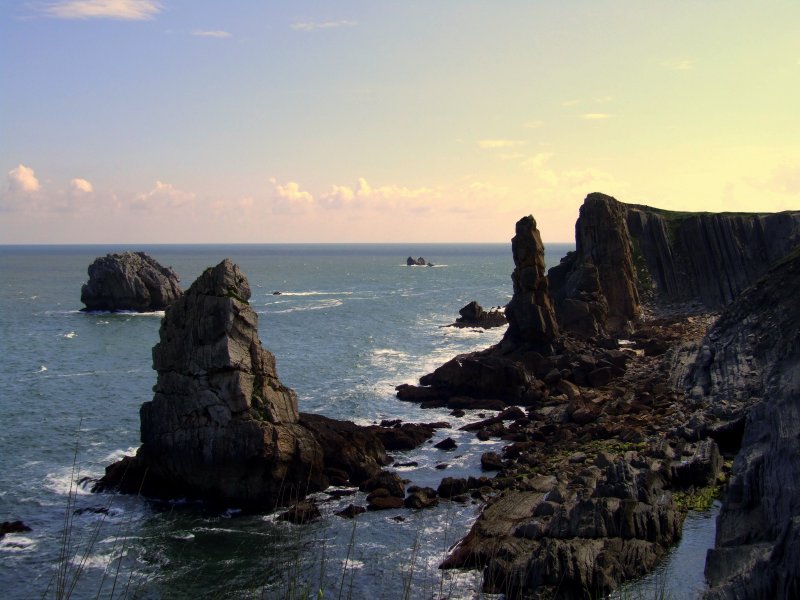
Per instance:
{"type": "Point", "coordinates": [199, 121]}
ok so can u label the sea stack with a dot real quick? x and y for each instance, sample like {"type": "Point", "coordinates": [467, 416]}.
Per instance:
{"type": "Point", "coordinates": [131, 281]}
{"type": "Point", "coordinates": [221, 423]}
{"type": "Point", "coordinates": [531, 318]}
{"type": "Point", "coordinates": [221, 427]}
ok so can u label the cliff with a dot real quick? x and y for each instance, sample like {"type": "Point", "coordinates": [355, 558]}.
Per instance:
{"type": "Point", "coordinates": [750, 362]}
{"type": "Point", "coordinates": [626, 253]}
{"type": "Point", "coordinates": [709, 257]}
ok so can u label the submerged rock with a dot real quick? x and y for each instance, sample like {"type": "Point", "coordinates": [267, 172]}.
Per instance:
{"type": "Point", "coordinates": [129, 281]}
{"type": "Point", "coordinates": [221, 426]}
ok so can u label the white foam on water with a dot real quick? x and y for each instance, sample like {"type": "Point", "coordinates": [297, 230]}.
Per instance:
{"type": "Point", "coordinates": [319, 305]}
{"type": "Point", "coordinates": [69, 335]}
{"type": "Point", "coordinates": [118, 454]}
{"type": "Point", "coordinates": [15, 542]}
{"type": "Point", "coordinates": [313, 293]}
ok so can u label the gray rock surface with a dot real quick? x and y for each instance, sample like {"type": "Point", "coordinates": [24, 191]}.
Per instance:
{"type": "Point", "coordinates": [129, 281]}
{"type": "Point", "coordinates": [221, 426]}
{"type": "Point", "coordinates": [750, 362]}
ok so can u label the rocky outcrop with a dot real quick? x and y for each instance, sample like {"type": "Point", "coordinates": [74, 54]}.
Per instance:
{"type": "Point", "coordinates": [594, 287]}
{"type": "Point", "coordinates": [748, 370]}
{"type": "Point", "coordinates": [221, 426]}
{"type": "Point", "coordinates": [129, 281]}
{"type": "Point", "coordinates": [511, 372]}
{"type": "Point", "coordinates": [417, 262]}
{"type": "Point", "coordinates": [474, 315]}
{"type": "Point", "coordinates": [531, 318]}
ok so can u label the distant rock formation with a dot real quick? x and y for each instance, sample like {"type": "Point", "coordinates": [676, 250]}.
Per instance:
{"type": "Point", "coordinates": [221, 426]}
{"type": "Point", "coordinates": [474, 315]}
{"type": "Point", "coordinates": [129, 281]}
{"type": "Point", "coordinates": [417, 262]}
{"type": "Point", "coordinates": [748, 375]}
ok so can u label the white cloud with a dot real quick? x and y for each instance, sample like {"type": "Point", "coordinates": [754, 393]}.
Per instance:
{"type": "Point", "coordinates": [163, 195]}
{"type": "Point", "coordinates": [289, 197]}
{"type": "Point", "coordinates": [22, 179]}
{"type": "Point", "coordinates": [217, 33]}
{"type": "Point", "coordinates": [533, 124]}
{"type": "Point", "coordinates": [81, 186]}
{"type": "Point", "coordinates": [680, 64]}
{"type": "Point", "coordinates": [543, 173]}
{"type": "Point", "coordinates": [489, 144]}
{"type": "Point", "coordinates": [315, 25]}
{"type": "Point", "coordinates": [385, 197]}
{"type": "Point", "coordinates": [596, 116]}
{"type": "Point", "coordinates": [129, 10]}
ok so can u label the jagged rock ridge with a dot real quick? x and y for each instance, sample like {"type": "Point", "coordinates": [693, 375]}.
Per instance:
{"type": "Point", "coordinates": [129, 281]}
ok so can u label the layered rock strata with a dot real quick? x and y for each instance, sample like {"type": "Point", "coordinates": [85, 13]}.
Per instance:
{"type": "Point", "coordinates": [747, 372]}
{"type": "Point", "coordinates": [626, 253]}
{"type": "Point", "coordinates": [707, 257]}
{"type": "Point", "coordinates": [129, 281]}
{"type": "Point", "coordinates": [221, 426]}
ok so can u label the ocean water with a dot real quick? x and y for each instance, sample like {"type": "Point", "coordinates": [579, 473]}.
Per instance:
{"type": "Point", "coordinates": [351, 323]}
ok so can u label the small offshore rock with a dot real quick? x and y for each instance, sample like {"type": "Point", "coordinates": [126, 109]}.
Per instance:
{"type": "Point", "coordinates": [129, 281]}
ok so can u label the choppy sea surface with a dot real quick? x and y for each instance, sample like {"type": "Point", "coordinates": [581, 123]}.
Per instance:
{"type": "Point", "coordinates": [351, 323]}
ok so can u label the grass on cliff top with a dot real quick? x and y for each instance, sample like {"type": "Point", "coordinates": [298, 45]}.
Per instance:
{"type": "Point", "coordinates": [684, 214]}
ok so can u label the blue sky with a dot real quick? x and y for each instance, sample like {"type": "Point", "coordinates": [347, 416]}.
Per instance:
{"type": "Point", "coordinates": [195, 121]}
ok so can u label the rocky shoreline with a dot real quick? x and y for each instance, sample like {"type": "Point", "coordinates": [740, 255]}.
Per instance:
{"type": "Point", "coordinates": [619, 392]}
{"type": "Point", "coordinates": [615, 441]}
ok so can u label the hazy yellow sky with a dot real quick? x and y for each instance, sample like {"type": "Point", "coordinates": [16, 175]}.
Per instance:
{"type": "Point", "coordinates": [138, 121]}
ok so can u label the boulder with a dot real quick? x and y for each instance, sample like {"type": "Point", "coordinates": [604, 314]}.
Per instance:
{"type": "Point", "coordinates": [130, 281]}
{"type": "Point", "coordinates": [474, 315]}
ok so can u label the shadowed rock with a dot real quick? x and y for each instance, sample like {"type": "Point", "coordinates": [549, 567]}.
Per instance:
{"type": "Point", "coordinates": [221, 426]}
{"type": "Point", "coordinates": [129, 281]}
{"type": "Point", "coordinates": [531, 318]}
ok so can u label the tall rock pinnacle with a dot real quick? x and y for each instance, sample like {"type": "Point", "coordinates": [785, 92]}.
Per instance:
{"type": "Point", "coordinates": [531, 318]}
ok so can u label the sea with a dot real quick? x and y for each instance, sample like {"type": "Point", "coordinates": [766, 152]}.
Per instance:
{"type": "Point", "coordinates": [350, 323]}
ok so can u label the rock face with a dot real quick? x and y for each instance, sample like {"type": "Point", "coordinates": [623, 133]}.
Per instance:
{"type": "Point", "coordinates": [531, 318]}
{"type": "Point", "coordinates": [129, 281]}
{"type": "Point", "coordinates": [750, 364]}
{"type": "Point", "coordinates": [708, 257]}
{"type": "Point", "coordinates": [594, 288]}
{"type": "Point", "coordinates": [625, 253]}
{"type": "Point", "coordinates": [221, 426]}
